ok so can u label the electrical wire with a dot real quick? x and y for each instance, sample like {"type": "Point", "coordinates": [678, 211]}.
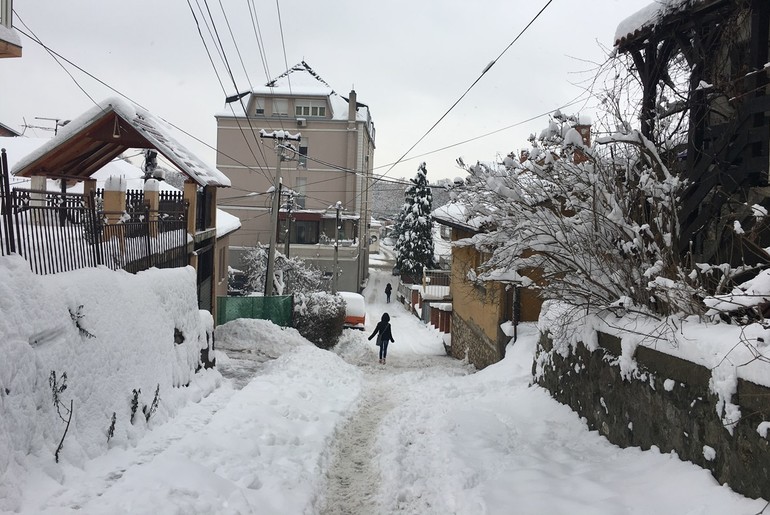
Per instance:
{"type": "Point", "coordinates": [484, 71]}
{"type": "Point", "coordinates": [16, 14]}
{"type": "Point", "coordinates": [120, 93]}
{"type": "Point", "coordinates": [283, 44]}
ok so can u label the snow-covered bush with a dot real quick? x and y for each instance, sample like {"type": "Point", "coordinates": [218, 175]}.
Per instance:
{"type": "Point", "coordinates": [319, 317]}
{"type": "Point", "coordinates": [293, 275]}
{"type": "Point", "coordinates": [599, 223]}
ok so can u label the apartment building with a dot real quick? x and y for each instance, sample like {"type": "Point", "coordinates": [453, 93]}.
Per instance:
{"type": "Point", "coordinates": [331, 165]}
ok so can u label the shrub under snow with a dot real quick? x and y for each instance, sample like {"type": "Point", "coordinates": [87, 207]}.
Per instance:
{"type": "Point", "coordinates": [319, 317]}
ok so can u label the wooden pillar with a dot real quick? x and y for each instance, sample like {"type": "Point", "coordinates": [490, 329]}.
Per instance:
{"type": "Point", "coordinates": [89, 190]}
{"type": "Point", "coordinates": [114, 199]}
{"type": "Point", "coordinates": [114, 207]}
{"type": "Point", "coordinates": [38, 199]}
{"type": "Point", "coordinates": [191, 196]}
{"type": "Point", "coordinates": [152, 200]}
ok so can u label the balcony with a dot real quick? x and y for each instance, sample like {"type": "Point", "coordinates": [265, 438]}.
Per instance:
{"type": "Point", "coordinates": [10, 43]}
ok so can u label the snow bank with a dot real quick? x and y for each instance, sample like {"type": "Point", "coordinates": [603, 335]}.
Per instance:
{"type": "Point", "coordinates": [258, 337]}
{"type": "Point", "coordinates": [112, 334]}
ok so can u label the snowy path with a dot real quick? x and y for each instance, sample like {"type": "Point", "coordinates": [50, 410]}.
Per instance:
{"type": "Point", "coordinates": [353, 478]}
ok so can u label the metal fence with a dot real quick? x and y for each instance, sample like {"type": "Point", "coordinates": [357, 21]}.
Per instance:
{"type": "Point", "coordinates": [277, 309]}
{"type": "Point", "coordinates": [58, 232]}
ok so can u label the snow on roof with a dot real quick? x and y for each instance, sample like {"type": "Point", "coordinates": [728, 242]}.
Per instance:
{"type": "Point", "coordinates": [226, 223]}
{"type": "Point", "coordinates": [455, 213]}
{"type": "Point", "coordinates": [299, 81]}
{"type": "Point", "coordinates": [649, 16]}
{"type": "Point", "coordinates": [157, 133]}
{"type": "Point", "coordinates": [9, 35]}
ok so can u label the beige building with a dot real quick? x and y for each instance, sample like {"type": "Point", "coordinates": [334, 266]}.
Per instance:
{"type": "Point", "coordinates": [331, 163]}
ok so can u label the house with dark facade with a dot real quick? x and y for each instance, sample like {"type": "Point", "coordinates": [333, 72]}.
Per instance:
{"type": "Point", "coordinates": [721, 48]}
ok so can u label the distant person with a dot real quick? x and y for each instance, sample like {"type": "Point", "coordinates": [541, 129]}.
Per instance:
{"type": "Point", "coordinates": [385, 337]}
{"type": "Point", "coordinates": [388, 289]}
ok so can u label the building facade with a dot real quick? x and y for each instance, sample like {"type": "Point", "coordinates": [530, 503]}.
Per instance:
{"type": "Point", "coordinates": [330, 164]}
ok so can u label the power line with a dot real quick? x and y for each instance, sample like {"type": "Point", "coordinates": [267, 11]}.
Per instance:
{"type": "Point", "coordinates": [237, 50]}
{"type": "Point", "coordinates": [221, 84]}
{"type": "Point", "coordinates": [283, 44]}
{"type": "Point", "coordinates": [15, 13]}
{"type": "Point", "coordinates": [483, 72]}
{"type": "Point", "coordinates": [120, 93]}
{"type": "Point", "coordinates": [577, 100]}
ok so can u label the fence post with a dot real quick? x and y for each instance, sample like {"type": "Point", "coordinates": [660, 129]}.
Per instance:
{"type": "Point", "coordinates": [5, 207]}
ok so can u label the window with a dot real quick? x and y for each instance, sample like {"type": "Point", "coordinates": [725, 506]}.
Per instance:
{"type": "Point", "coordinates": [259, 107]}
{"type": "Point", "coordinates": [306, 232]}
{"type": "Point", "coordinates": [302, 155]}
{"type": "Point", "coordinates": [300, 186]}
{"type": "Point", "coordinates": [280, 107]}
{"type": "Point", "coordinates": [311, 108]}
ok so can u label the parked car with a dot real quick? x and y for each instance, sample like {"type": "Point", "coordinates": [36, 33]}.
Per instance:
{"type": "Point", "coordinates": [355, 310]}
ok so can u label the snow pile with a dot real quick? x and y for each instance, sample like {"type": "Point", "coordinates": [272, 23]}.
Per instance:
{"type": "Point", "coordinates": [260, 337]}
{"type": "Point", "coordinates": [119, 338]}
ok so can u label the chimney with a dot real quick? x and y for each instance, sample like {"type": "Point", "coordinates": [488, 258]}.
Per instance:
{"type": "Point", "coordinates": [352, 106]}
{"type": "Point", "coordinates": [584, 129]}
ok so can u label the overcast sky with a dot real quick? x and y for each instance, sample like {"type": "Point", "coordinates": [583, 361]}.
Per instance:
{"type": "Point", "coordinates": [408, 60]}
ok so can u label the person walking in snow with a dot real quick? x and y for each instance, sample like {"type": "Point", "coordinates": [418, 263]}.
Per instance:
{"type": "Point", "coordinates": [385, 336]}
{"type": "Point", "coordinates": [388, 289]}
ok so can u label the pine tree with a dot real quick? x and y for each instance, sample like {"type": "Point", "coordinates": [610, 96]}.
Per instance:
{"type": "Point", "coordinates": [414, 246]}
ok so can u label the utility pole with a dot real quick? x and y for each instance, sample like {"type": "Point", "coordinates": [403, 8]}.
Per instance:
{"type": "Point", "coordinates": [338, 207]}
{"type": "Point", "coordinates": [281, 137]}
{"type": "Point", "coordinates": [289, 207]}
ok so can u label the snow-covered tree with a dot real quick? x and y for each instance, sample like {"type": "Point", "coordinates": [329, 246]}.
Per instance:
{"type": "Point", "coordinates": [599, 223]}
{"type": "Point", "coordinates": [414, 246]}
{"type": "Point", "coordinates": [294, 274]}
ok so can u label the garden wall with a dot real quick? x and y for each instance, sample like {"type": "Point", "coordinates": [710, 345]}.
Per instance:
{"type": "Point", "coordinates": [668, 404]}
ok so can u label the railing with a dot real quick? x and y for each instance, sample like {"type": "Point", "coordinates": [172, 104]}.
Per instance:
{"type": "Point", "coordinates": [58, 232]}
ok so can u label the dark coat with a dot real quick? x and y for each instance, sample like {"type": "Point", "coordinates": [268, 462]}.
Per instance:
{"type": "Point", "coordinates": [383, 327]}
{"type": "Point", "coordinates": [388, 288]}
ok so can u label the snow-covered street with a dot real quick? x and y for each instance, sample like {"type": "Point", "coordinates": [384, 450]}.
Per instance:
{"type": "Point", "coordinates": [294, 429]}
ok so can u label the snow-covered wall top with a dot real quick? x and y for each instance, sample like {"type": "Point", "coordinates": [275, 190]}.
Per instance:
{"type": "Point", "coordinates": [111, 333]}
{"type": "Point", "coordinates": [650, 15]}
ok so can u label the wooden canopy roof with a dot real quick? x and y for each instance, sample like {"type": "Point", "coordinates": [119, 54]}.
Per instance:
{"type": "Point", "coordinates": [100, 135]}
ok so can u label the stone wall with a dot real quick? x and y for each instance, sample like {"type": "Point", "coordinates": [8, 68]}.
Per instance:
{"type": "Point", "coordinates": [668, 405]}
{"type": "Point", "coordinates": [471, 341]}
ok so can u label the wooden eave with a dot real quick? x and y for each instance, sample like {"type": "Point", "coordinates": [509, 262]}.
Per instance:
{"type": "Point", "coordinates": [674, 24]}
{"type": "Point", "coordinates": [8, 49]}
{"type": "Point", "coordinates": [87, 151]}
{"type": "Point", "coordinates": [82, 153]}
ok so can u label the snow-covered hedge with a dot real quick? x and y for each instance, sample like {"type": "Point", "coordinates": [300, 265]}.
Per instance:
{"type": "Point", "coordinates": [118, 338]}
{"type": "Point", "coordinates": [319, 317]}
